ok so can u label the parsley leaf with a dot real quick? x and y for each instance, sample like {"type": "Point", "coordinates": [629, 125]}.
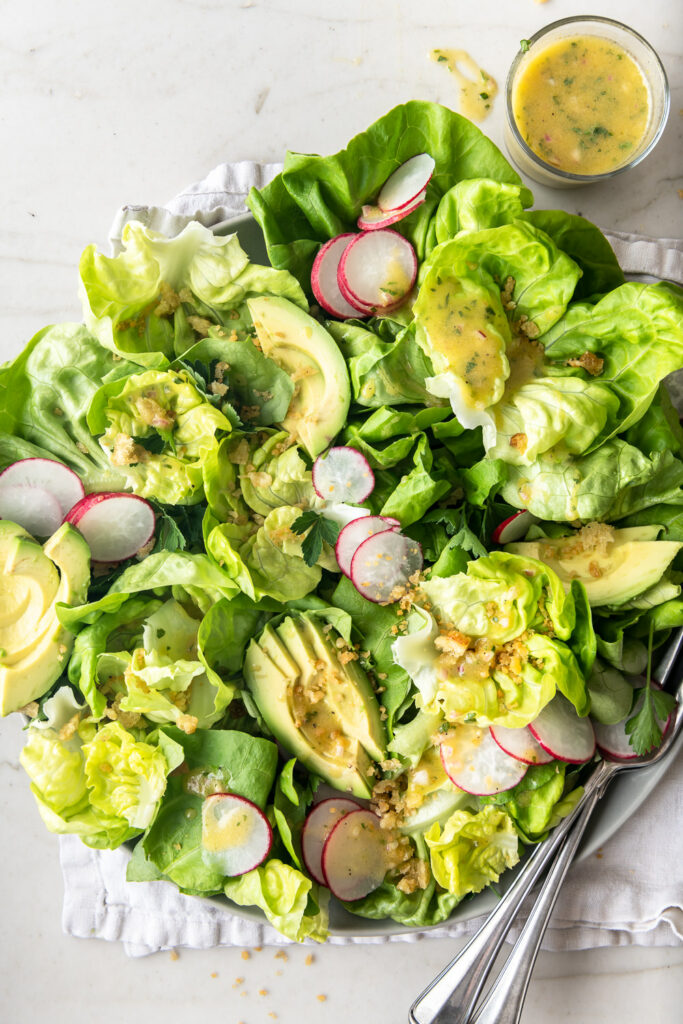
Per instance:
{"type": "Point", "coordinates": [318, 529]}
{"type": "Point", "coordinates": [643, 727]}
{"type": "Point", "coordinates": [524, 45]}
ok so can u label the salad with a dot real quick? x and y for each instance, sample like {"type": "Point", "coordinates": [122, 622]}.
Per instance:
{"type": "Point", "coordinates": [332, 576]}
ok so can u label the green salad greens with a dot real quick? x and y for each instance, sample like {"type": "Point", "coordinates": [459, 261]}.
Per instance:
{"type": "Point", "coordinates": [202, 697]}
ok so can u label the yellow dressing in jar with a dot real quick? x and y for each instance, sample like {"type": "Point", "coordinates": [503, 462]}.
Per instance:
{"type": "Point", "coordinates": [582, 104]}
{"type": "Point", "coordinates": [477, 87]}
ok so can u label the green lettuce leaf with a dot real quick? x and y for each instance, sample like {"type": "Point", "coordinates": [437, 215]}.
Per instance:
{"type": "Point", "coordinates": [384, 371]}
{"type": "Point", "coordinates": [610, 483]}
{"type": "Point", "coordinates": [472, 850]}
{"type": "Point", "coordinates": [290, 901]}
{"type": "Point", "coordinates": [477, 204]}
{"type": "Point", "coordinates": [44, 398]}
{"type": "Point", "coordinates": [103, 785]}
{"type": "Point", "coordinates": [586, 245]}
{"type": "Point", "coordinates": [152, 301]}
{"type": "Point", "coordinates": [636, 329]}
{"type": "Point", "coordinates": [538, 802]}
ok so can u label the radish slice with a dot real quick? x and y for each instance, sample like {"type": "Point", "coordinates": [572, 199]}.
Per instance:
{"type": "Point", "coordinates": [34, 508]}
{"type": "Point", "coordinates": [342, 474]}
{"type": "Point", "coordinates": [406, 183]}
{"type": "Point", "coordinates": [513, 528]}
{"type": "Point", "coordinates": [115, 525]}
{"type": "Point", "coordinates": [614, 741]}
{"type": "Point", "coordinates": [353, 535]}
{"type": "Point", "coordinates": [354, 857]}
{"type": "Point", "coordinates": [236, 835]}
{"type": "Point", "coordinates": [475, 763]}
{"type": "Point", "coordinates": [562, 733]}
{"type": "Point", "coordinates": [317, 828]}
{"type": "Point", "coordinates": [372, 217]}
{"type": "Point", "coordinates": [377, 270]}
{"type": "Point", "coordinates": [383, 564]}
{"type": "Point", "coordinates": [324, 279]}
{"type": "Point", "coordinates": [521, 744]}
{"type": "Point", "coordinates": [54, 477]}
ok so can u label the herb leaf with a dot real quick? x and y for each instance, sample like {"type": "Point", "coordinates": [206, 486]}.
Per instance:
{"type": "Point", "coordinates": [524, 45]}
{"type": "Point", "coordinates": [318, 529]}
{"type": "Point", "coordinates": [644, 728]}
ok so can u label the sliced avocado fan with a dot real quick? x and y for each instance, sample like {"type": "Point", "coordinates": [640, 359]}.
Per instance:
{"type": "Point", "coordinates": [34, 646]}
{"type": "Point", "coordinates": [320, 706]}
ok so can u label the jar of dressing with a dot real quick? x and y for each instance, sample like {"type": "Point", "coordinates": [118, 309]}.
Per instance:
{"type": "Point", "coordinates": [586, 98]}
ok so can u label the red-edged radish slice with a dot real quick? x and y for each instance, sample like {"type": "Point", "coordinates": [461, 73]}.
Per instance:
{"type": "Point", "coordinates": [354, 857]}
{"type": "Point", "coordinates": [383, 565]}
{"type": "Point", "coordinates": [353, 535]}
{"type": "Point", "coordinates": [406, 183]}
{"type": "Point", "coordinates": [475, 763]}
{"type": "Point", "coordinates": [377, 270]}
{"type": "Point", "coordinates": [513, 528]}
{"type": "Point", "coordinates": [562, 733]}
{"type": "Point", "coordinates": [34, 508]}
{"type": "Point", "coordinates": [614, 741]}
{"type": "Point", "coordinates": [324, 279]}
{"type": "Point", "coordinates": [317, 828]}
{"type": "Point", "coordinates": [115, 525]}
{"type": "Point", "coordinates": [55, 477]}
{"type": "Point", "coordinates": [236, 835]}
{"type": "Point", "coordinates": [372, 218]}
{"type": "Point", "coordinates": [342, 474]}
{"type": "Point", "coordinates": [521, 744]}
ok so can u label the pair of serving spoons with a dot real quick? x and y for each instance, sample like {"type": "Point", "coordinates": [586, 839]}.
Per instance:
{"type": "Point", "coordinates": [452, 996]}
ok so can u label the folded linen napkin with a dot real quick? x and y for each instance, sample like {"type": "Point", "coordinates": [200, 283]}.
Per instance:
{"type": "Point", "coordinates": [629, 893]}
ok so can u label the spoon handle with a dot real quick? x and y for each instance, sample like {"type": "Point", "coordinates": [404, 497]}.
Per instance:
{"type": "Point", "coordinates": [452, 995]}
{"type": "Point", "coordinates": [504, 1003]}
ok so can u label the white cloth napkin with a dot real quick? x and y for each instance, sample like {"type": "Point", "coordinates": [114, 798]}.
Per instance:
{"type": "Point", "coordinates": [629, 893]}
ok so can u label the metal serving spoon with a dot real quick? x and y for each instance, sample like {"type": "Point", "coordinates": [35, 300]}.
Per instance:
{"type": "Point", "coordinates": [451, 997]}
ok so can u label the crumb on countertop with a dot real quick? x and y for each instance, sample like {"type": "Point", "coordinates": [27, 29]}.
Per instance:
{"type": "Point", "coordinates": [245, 954]}
{"type": "Point", "coordinates": [174, 954]}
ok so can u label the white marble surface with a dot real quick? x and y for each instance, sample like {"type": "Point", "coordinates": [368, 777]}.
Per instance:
{"type": "Point", "coordinates": [101, 104]}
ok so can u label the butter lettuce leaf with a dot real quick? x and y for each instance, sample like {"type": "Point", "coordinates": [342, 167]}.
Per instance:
{"type": "Point", "coordinates": [614, 481]}
{"type": "Point", "coordinates": [159, 295]}
{"type": "Point", "coordinates": [479, 203]}
{"type": "Point", "coordinates": [586, 245]}
{"type": "Point", "coordinates": [472, 850]}
{"type": "Point", "coordinates": [45, 394]}
{"type": "Point", "coordinates": [636, 329]}
{"type": "Point", "coordinates": [158, 428]}
{"type": "Point", "coordinates": [294, 904]}
{"type": "Point", "coordinates": [538, 802]}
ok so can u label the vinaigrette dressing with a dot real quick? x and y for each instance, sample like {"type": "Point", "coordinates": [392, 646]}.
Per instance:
{"type": "Point", "coordinates": [477, 87]}
{"type": "Point", "coordinates": [582, 105]}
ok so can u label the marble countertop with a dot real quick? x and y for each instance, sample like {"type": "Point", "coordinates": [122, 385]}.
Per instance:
{"type": "Point", "coordinates": [103, 104]}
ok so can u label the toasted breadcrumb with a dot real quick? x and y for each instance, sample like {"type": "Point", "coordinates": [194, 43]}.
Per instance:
{"type": "Point", "coordinates": [520, 442]}
{"type": "Point", "coordinates": [309, 960]}
{"type": "Point", "coordinates": [214, 974]}
{"type": "Point", "coordinates": [174, 954]}
{"type": "Point", "coordinates": [200, 324]}
{"type": "Point", "coordinates": [30, 710]}
{"type": "Point", "coordinates": [589, 362]}
{"type": "Point", "coordinates": [321, 998]}
{"type": "Point", "coordinates": [126, 452]}
{"type": "Point", "coordinates": [245, 954]}
{"type": "Point", "coordinates": [281, 955]}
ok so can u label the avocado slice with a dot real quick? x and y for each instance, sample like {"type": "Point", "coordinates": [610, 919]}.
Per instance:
{"type": "Point", "coordinates": [318, 709]}
{"type": "Point", "coordinates": [30, 580]}
{"type": "Point", "coordinates": [360, 718]}
{"type": "Point", "coordinates": [310, 355]}
{"type": "Point", "coordinates": [631, 561]}
{"type": "Point", "coordinates": [31, 665]}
